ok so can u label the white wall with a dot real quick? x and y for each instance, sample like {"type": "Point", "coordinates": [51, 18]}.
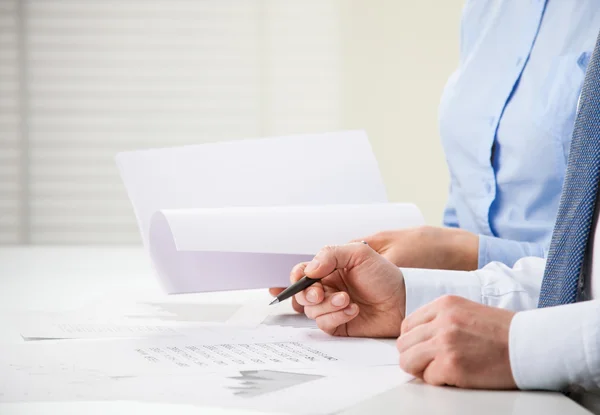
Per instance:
{"type": "Point", "coordinates": [397, 57]}
{"type": "Point", "coordinates": [80, 81]}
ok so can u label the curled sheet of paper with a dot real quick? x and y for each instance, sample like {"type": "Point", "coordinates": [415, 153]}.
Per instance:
{"type": "Point", "coordinates": [239, 248]}
{"type": "Point", "coordinates": [196, 249]}
{"type": "Point", "coordinates": [315, 169]}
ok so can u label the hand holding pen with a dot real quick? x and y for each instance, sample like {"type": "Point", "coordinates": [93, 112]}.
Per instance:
{"type": "Point", "coordinates": [350, 290]}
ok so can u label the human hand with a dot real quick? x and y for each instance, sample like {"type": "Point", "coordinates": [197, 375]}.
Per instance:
{"type": "Point", "coordinates": [428, 247]}
{"type": "Point", "coordinates": [423, 247]}
{"type": "Point", "coordinates": [360, 294]}
{"type": "Point", "coordinates": [454, 341]}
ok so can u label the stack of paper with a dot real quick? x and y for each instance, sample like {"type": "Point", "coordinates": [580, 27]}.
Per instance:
{"type": "Point", "coordinates": [266, 368]}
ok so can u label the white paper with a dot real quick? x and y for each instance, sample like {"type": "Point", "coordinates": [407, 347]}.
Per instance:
{"type": "Point", "coordinates": [78, 330]}
{"type": "Point", "coordinates": [289, 320]}
{"type": "Point", "coordinates": [129, 314]}
{"type": "Point", "coordinates": [114, 408]}
{"type": "Point", "coordinates": [263, 369]}
{"type": "Point", "coordinates": [240, 215]}
{"type": "Point", "coordinates": [317, 169]}
{"type": "Point", "coordinates": [285, 391]}
{"type": "Point", "coordinates": [240, 248]}
{"type": "Point", "coordinates": [135, 319]}
{"type": "Point", "coordinates": [282, 229]}
{"type": "Point", "coordinates": [210, 350]}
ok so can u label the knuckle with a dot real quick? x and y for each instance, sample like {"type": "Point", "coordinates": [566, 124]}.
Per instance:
{"type": "Point", "coordinates": [297, 272]}
{"type": "Point", "coordinates": [452, 361]}
{"type": "Point", "coordinates": [327, 254]}
{"type": "Point", "coordinates": [447, 301]}
{"type": "Point", "coordinates": [452, 318]}
{"type": "Point", "coordinates": [449, 335]}
{"type": "Point", "coordinates": [328, 250]}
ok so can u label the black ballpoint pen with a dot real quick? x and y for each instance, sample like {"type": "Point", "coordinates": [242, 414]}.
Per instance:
{"type": "Point", "coordinates": [300, 285]}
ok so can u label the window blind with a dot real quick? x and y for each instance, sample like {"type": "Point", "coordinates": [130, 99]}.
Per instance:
{"type": "Point", "coordinates": [10, 178]}
{"type": "Point", "coordinates": [106, 76]}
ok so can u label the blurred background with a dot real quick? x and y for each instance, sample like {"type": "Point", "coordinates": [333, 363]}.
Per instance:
{"type": "Point", "coordinates": [81, 80]}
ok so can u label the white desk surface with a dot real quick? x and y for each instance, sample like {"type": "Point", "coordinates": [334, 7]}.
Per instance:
{"type": "Point", "coordinates": [67, 278]}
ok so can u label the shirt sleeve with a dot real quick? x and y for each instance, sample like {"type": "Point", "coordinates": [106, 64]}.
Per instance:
{"type": "Point", "coordinates": [553, 348]}
{"type": "Point", "coordinates": [496, 285]}
{"type": "Point", "coordinates": [506, 251]}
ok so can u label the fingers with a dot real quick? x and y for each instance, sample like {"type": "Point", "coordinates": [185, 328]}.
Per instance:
{"type": "Point", "coordinates": [331, 258]}
{"type": "Point", "coordinates": [420, 316]}
{"type": "Point", "coordinates": [298, 272]}
{"type": "Point", "coordinates": [335, 311]}
{"type": "Point", "coordinates": [417, 349]}
{"type": "Point", "coordinates": [435, 374]}
{"type": "Point", "coordinates": [416, 336]}
{"type": "Point", "coordinates": [417, 359]}
{"type": "Point", "coordinates": [430, 311]}
{"type": "Point", "coordinates": [332, 302]}
{"type": "Point", "coordinates": [297, 307]}
{"type": "Point", "coordinates": [312, 295]}
{"type": "Point", "coordinates": [331, 323]}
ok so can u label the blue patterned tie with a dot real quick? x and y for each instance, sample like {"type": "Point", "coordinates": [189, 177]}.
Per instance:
{"type": "Point", "coordinates": [576, 209]}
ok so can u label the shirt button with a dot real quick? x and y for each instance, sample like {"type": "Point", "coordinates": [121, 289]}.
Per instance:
{"type": "Point", "coordinates": [488, 187]}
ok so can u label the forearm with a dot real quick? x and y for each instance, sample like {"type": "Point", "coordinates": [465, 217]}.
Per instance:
{"type": "Point", "coordinates": [458, 250]}
{"type": "Point", "coordinates": [446, 248]}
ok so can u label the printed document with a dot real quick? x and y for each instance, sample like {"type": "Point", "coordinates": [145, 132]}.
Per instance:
{"type": "Point", "coordinates": [267, 369]}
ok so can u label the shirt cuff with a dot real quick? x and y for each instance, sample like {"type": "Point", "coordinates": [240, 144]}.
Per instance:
{"type": "Point", "coordinates": [425, 285]}
{"type": "Point", "coordinates": [493, 249]}
{"type": "Point", "coordinates": [556, 347]}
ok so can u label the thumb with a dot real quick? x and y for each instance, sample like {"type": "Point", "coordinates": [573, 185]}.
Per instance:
{"type": "Point", "coordinates": [336, 257]}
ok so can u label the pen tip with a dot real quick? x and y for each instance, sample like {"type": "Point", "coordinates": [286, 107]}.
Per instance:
{"type": "Point", "coordinates": [275, 301]}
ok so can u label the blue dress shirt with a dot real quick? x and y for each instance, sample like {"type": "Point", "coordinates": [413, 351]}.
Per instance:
{"type": "Point", "coordinates": [506, 118]}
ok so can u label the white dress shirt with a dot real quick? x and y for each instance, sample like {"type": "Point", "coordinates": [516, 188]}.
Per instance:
{"type": "Point", "coordinates": [550, 348]}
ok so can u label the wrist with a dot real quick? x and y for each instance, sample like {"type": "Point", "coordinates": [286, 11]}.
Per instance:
{"type": "Point", "coordinates": [459, 250]}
